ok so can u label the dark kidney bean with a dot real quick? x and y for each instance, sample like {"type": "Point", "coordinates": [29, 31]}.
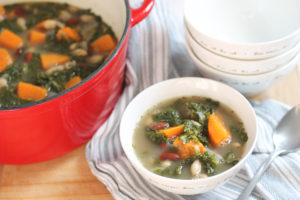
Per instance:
{"type": "Point", "coordinates": [159, 125]}
{"type": "Point", "coordinates": [169, 156]}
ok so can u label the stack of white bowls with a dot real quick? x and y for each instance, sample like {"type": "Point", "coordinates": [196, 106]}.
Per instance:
{"type": "Point", "coordinates": [248, 44]}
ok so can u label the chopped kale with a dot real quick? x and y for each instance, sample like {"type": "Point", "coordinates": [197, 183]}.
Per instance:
{"type": "Point", "coordinates": [193, 131]}
{"type": "Point", "coordinates": [230, 158]}
{"type": "Point", "coordinates": [12, 74]}
{"type": "Point", "coordinates": [240, 132]}
{"type": "Point", "coordinates": [56, 81]}
{"type": "Point", "coordinates": [39, 12]}
{"type": "Point", "coordinates": [30, 70]}
{"type": "Point", "coordinates": [9, 98]}
{"type": "Point", "coordinates": [179, 168]}
{"type": "Point", "coordinates": [208, 161]}
{"type": "Point", "coordinates": [213, 104]}
{"type": "Point", "coordinates": [85, 71]}
{"type": "Point", "coordinates": [175, 169]}
{"type": "Point", "coordinates": [156, 136]}
{"type": "Point", "coordinates": [11, 25]}
{"type": "Point", "coordinates": [54, 45]}
{"type": "Point", "coordinates": [164, 171]}
{"type": "Point", "coordinates": [170, 116]}
{"type": "Point", "coordinates": [201, 111]}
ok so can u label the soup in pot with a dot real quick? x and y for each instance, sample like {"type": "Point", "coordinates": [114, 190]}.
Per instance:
{"type": "Point", "coordinates": [46, 48]}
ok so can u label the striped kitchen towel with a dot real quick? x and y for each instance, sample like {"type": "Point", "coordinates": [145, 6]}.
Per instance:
{"type": "Point", "coordinates": [157, 52]}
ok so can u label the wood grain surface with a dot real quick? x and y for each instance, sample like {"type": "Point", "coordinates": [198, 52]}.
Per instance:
{"type": "Point", "coordinates": [69, 176]}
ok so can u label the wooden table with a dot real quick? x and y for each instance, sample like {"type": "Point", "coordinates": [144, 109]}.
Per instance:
{"type": "Point", "coordinates": [69, 177]}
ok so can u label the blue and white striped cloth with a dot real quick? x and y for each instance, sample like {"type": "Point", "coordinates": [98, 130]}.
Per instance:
{"type": "Point", "coordinates": [157, 52]}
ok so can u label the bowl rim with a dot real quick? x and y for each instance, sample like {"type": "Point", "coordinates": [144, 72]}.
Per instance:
{"type": "Point", "coordinates": [245, 76]}
{"type": "Point", "coordinates": [90, 76]}
{"type": "Point", "coordinates": [141, 169]}
{"type": "Point", "coordinates": [295, 47]}
{"type": "Point", "coordinates": [248, 44]}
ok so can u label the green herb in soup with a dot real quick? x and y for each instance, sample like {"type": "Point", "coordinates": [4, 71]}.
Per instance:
{"type": "Point", "coordinates": [190, 137]}
{"type": "Point", "coordinates": [46, 48]}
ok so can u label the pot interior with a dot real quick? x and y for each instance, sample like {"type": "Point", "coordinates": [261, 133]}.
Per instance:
{"type": "Point", "coordinates": [113, 12]}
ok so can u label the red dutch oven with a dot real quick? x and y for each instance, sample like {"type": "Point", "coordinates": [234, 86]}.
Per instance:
{"type": "Point", "coordinates": [54, 126]}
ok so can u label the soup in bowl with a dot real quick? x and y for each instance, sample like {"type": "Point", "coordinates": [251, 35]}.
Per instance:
{"type": "Point", "coordinates": [188, 135]}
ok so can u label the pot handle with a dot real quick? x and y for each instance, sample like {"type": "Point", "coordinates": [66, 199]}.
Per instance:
{"type": "Point", "coordinates": [138, 14]}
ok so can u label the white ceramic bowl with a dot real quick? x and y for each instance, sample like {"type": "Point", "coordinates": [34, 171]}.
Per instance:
{"type": "Point", "coordinates": [240, 67]}
{"type": "Point", "coordinates": [176, 88]}
{"type": "Point", "coordinates": [248, 29]}
{"type": "Point", "coordinates": [249, 85]}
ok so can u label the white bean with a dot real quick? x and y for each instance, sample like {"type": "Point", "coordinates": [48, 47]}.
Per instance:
{"type": "Point", "coordinates": [51, 24]}
{"type": "Point", "coordinates": [3, 82]}
{"type": "Point", "coordinates": [79, 52]}
{"type": "Point", "coordinates": [73, 46]}
{"type": "Point", "coordinates": [72, 8]}
{"type": "Point", "coordinates": [166, 163]}
{"type": "Point", "coordinates": [87, 18]}
{"type": "Point", "coordinates": [236, 144]}
{"type": "Point", "coordinates": [70, 64]}
{"type": "Point", "coordinates": [64, 15]}
{"type": "Point", "coordinates": [62, 67]}
{"type": "Point", "coordinates": [95, 59]}
{"type": "Point", "coordinates": [195, 168]}
{"type": "Point", "coordinates": [54, 69]}
{"type": "Point", "coordinates": [22, 23]}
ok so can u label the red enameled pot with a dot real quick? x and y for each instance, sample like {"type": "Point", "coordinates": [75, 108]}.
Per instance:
{"type": "Point", "coordinates": [54, 126]}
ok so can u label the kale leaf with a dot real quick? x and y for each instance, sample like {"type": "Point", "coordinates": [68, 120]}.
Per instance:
{"type": "Point", "coordinates": [193, 131]}
{"type": "Point", "coordinates": [201, 111]}
{"type": "Point", "coordinates": [56, 81]}
{"type": "Point", "coordinates": [54, 45]}
{"type": "Point", "coordinates": [230, 158]}
{"type": "Point", "coordinates": [156, 136]}
{"type": "Point", "coordinates": [8, 98]}
{"type": "Point", "coordinates": [240, 132]}
{"type": "Point", "coordinates": [31, 69]}
{"type": "Point", "coordinates": [208, 161]}
{"type": "Point", "coordinates": [12, 74]}
{"type": "Point", "coordinates": [170, 116]}
{"type": "Point", "coordinates": [11, 25]}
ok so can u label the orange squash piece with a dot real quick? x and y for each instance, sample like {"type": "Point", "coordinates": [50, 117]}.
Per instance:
{"type": "Point", "coordinates": [5, 59]}
{"type": "Point", "coordinates": [10, 40]}
{"type": "Point", "coordinates": [104, 43]}
{"type": "Point", "coordinates": [188, 149]}
{"type": "Point", "coordinates": [217, 131]}
{"type": "Point", "coordinates": [73, 81]}
{"type": "Point", "coordinates": [173, 131]}
{"type": "Point", "coordinates": [47, 24]}
{"type": "Point", "coordinates": [2, 10]}
{"type": "Point", "coordinates": [31, 92]}
{"type": "Point", "coordinates": [194, 147]}
{"type": "Point", "coordinates": [36, 37]}
{"type": "Point", "coordinates": [52, 59]}
{"type": "Point", "coordinates": [41, 25]}
{"type": "Point", "coordinates": [67, 33]}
